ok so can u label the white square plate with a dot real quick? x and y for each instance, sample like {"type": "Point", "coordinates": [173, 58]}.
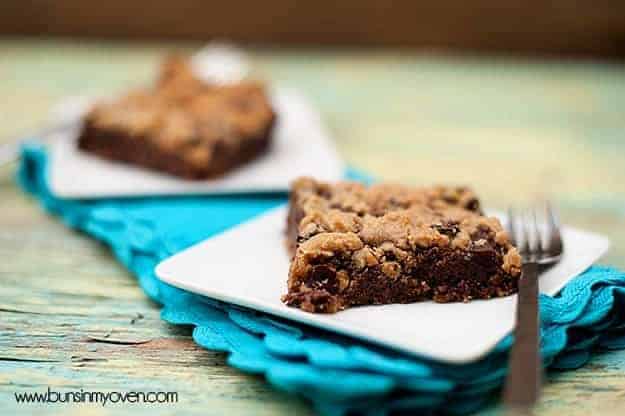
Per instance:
{"type": "Point", "coordinates": [301, 147]}
{"type": "Point", "coordinates": [248, 266]}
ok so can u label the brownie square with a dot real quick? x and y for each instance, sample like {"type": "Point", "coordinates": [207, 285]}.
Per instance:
{"type": "Point", "coordinates": [357, 245]}
{"type": "Point", "coordinates": [182, 126]}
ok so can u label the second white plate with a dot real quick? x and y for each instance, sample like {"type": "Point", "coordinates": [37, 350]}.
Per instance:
{"type": "Point", "coordinates": [248, 266]}
{"type": "Point", "coordinates": [301, 147]}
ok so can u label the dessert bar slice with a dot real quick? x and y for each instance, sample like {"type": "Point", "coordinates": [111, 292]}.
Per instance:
{"type": "Point", "coordinates": [354, 245]}
{"type": "Point", "coordinates": [182, 126]}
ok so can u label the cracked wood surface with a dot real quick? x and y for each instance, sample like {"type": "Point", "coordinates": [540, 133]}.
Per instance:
{"type": "Point", "coordinates": [71, 317]}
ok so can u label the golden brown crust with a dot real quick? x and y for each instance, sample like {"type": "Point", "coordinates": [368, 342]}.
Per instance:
{"type": "Point", "coordinates": [205, 126]}
{"type": "Point", "coordinates": [380, 198]}
{"type": "Point", "coordinates": [389, 212]}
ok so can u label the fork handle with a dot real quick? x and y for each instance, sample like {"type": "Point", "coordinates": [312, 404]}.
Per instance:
{"type": "Point", "coordinates": [522, 387]}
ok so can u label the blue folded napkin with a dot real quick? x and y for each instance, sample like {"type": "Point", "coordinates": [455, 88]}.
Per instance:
{"type": "Point", "coordinates": [338, 374]}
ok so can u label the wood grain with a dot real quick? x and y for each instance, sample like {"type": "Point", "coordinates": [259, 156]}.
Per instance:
{"type": "Point", "coordinates": [532, 26]}
{"type": "Point", "coordinates": [507, 127]}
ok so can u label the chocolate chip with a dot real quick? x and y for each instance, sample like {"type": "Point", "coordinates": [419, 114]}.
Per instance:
{"type": "Point", "coordinates": [449, 229]}
{"type": "Point", "coordinates": [323, 277]}
{"type": "Point", "coordinates": [473, 204]}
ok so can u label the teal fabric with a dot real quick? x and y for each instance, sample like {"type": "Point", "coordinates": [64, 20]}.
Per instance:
{"type": "Point", "coordinates": [338, 374]}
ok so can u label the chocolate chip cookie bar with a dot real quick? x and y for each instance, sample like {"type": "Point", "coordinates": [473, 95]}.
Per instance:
{"type": "Point", "coordinates": [357, 245]}
{"type": "Point", "coordinates": [182, 126]}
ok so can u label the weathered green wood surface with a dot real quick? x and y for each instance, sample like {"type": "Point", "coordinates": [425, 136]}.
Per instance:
{"type": "Point", "coordinates": [510, 128]}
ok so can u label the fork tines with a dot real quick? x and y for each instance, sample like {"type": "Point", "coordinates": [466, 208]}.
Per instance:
{"type": "Point", "coordinates": [535, 231]}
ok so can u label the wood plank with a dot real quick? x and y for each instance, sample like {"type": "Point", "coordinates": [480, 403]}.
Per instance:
{"type": "Point", "coordinates": [559, 26]}
{"type": "Point", "coordinates": [402, 116]}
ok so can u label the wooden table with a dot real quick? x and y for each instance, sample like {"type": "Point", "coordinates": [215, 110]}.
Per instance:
{"type": "Point", "coordinates": [510, 128]}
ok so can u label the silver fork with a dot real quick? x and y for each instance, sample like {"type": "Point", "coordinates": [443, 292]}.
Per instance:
{"type": "Point", "coordinates": [540, 245]}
